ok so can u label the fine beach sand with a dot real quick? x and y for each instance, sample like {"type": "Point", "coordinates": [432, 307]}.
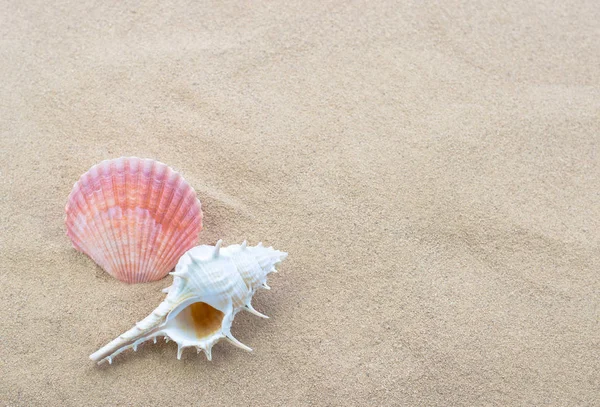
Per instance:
{"type": "Point", "coordinates": [432, 170]}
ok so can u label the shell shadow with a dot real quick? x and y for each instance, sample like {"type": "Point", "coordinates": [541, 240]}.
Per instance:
{"type": "Point", "coordinates": [222, 216]}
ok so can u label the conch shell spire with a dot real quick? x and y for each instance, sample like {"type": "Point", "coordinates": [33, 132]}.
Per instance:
{"type": "Point", "coordinates": [211, 284]}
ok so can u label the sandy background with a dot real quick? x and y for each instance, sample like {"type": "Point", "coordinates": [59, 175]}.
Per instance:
{"type": "Point", "coordinates": [432, 169]}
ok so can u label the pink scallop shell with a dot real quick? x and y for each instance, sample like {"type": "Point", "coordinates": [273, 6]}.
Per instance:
{"type": "Point", "coordinates": [135, 218]}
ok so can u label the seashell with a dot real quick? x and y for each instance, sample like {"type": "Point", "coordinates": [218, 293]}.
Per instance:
{"type": "Point", "coordinates": [133, 217]}
{"type": "Point", "coordinates": [210, 286]}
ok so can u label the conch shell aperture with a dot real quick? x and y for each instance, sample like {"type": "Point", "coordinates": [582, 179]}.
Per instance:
{"type": "Point", "coordinates": [210, 285]}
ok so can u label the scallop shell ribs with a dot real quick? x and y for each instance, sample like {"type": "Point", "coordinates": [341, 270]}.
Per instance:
{"type": "Point", "coordinates": [133, 217]}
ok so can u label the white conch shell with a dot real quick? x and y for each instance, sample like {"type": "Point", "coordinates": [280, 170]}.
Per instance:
{"type": "Point", "coordinates": [210, 285]}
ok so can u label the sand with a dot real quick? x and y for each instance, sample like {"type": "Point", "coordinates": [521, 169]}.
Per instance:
{"type": "Point", "coordinates": [432, 169]}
